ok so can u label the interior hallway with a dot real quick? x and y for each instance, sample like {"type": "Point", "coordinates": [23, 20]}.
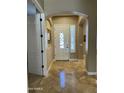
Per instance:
{"type": "Point", "coordinates": [64, 77]}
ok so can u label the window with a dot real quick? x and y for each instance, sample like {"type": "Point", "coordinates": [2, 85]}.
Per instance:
{"type": "Point", "coordinates": [72, 38]}
{"type": "Point", "coordinates": [61, 40]}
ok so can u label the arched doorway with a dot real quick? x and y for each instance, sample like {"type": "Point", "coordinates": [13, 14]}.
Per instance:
{"type": "Point", "coordinates": [82, 19]}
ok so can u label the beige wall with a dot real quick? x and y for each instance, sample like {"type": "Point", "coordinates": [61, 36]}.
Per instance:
{"type": "Point", "coordinates": [71, 21]}
{"type": "Point", "coordinates": [88, 7]}
{"type": "Point", "coordinates": [50, 48]}
{"type": "Point", "coordinates": [80, 42]}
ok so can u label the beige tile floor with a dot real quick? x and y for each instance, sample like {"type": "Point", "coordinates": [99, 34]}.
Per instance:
{"type": "Point", "coordinates": [64, 77]}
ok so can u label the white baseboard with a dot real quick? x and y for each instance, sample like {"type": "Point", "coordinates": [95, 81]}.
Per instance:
{"type": "Point", "coordinates": [73, 59]}
{"type": "Point", "coordinates": [92, 73]}
{"type": "Point", "coordinates": [50, 65]}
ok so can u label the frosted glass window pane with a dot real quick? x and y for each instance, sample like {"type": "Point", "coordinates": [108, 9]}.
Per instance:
{"type": "Point", "coordinates": [61, 40]}
{"type": "Point", "coordinates": [72, 36]}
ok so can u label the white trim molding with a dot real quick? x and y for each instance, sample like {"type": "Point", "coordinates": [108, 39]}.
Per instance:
{"type": "Point", "coordinates": [67, 13]}
{"type": "Point", "coordinates": [92, 73]}
{"type": "Point", "coordinates": [73, 59]}
{"type": "Point", "coordinates": [44, 47]}
{"type": "Point", "coordinates": [50, 66]}
{"type": "Point", "coordinates": [38, 6]}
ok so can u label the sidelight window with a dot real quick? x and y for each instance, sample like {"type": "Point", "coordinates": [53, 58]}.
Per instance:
{"type": "Point", "coordinates": [72, 38]}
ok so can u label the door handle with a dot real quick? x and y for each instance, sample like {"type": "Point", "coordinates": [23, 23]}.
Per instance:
{"type": "Point", "coordinates": [67, 46]}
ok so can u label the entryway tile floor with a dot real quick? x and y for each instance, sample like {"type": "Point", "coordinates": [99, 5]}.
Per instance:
{"type": "Point", "coordinates": [63, 77]}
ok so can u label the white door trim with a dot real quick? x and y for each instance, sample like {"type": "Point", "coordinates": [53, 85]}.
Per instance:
{"type": "Point", "coordinates": [92, 73]}
{"type": "Point", "coordinates": [43, 28]}
{"type": "Point", "coordinates": [50, 66]}
{"type": "Point", "coordinates": [38, 6]}
{"type": "Point", "coordinates": [44, 44]}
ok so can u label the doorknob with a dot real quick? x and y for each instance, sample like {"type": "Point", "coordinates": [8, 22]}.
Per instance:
{"type": "Point", "coordinates": [67, 46]}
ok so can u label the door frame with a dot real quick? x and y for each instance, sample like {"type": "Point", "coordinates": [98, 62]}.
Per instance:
{"type": "Point", "coordinates": [40, 18]}
{"type": "Point", "coordinates": [38, 6]}
{"type": "Point", "coordinates": [67, 40]}
{"type": "Point", "coordinates": [44, 45]}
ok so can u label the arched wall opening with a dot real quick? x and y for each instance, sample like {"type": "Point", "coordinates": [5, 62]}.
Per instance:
{"type": "Point", "coordinates": [82, 21]}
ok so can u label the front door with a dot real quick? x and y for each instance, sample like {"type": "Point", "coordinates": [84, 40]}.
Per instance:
{"type": "Point", "coordinates": [61, 44]}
